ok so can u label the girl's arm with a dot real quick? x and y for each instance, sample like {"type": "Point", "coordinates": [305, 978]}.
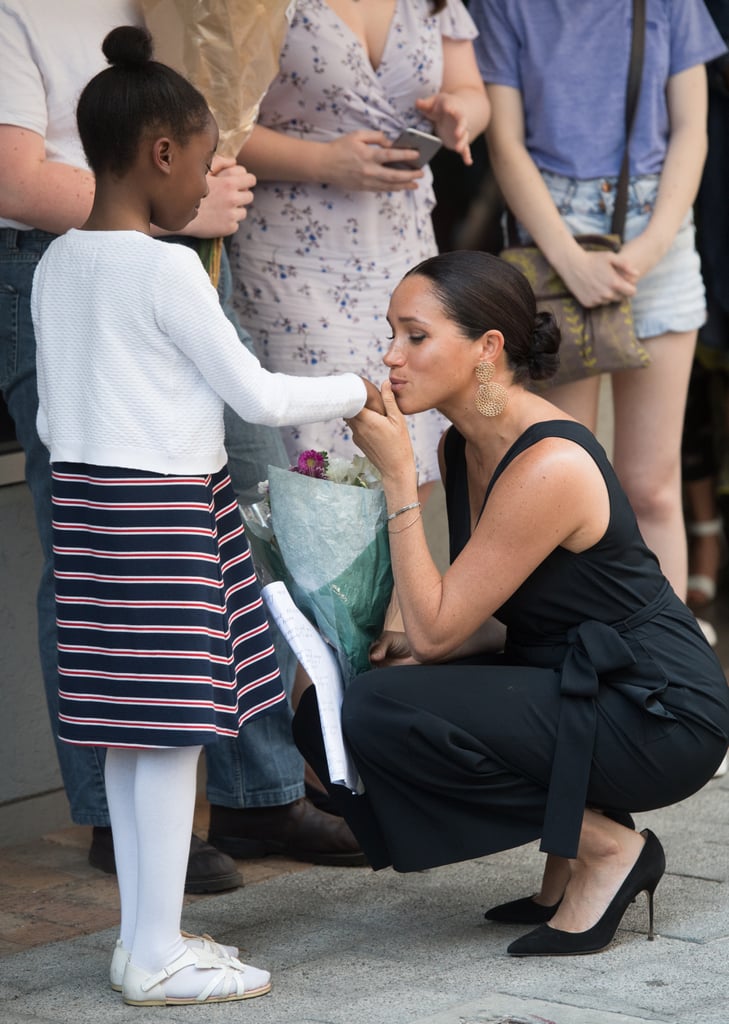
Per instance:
{"type": "Point", "coordinates": [188, 311]}
{"type": "Point", "coordinates": [552, 494]}
{"type": "Point", "coordinates": [460, 111]}
{"type": "Point", "coordinates": [686, 96]}
{"type": "Point", "coordinates": [594, 278]}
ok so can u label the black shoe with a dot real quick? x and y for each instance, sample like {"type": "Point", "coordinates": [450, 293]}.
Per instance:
{"type": "Point", "coordinates": [526, 910]}
{"type": "Point", "coordinates": [298, 830]}
{"type": "Point", "coordinates": [522, 911]}
{"type": "Point", "coordinates": [208, 870]}
{"type": "Point", "coordinates": [645, 874]}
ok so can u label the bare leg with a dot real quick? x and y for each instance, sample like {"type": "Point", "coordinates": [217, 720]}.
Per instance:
{"type": "Point", "coordinates": [579, 399]}
{"type": "Point", "coordinates": [605, 856]}
{"type": "Point", "coordinates": [649, 409]}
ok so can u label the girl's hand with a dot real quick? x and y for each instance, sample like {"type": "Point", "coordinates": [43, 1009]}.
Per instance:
{"type": "Point", "coordinates": [391, 648]}
{"type": "Point", "coordinates": [358, 161]}
{"type": "Point", "coordinates": [640, 253]}
{"type": "Point", "coordinates": [448, 117]}
{"type": "Point", "coordinates": [596, 278]}
{"type": "Point", "coordinates": [374, 398]}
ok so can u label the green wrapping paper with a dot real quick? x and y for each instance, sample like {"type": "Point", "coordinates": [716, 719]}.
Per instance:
{"type": "Point", "coordinates": [328, 543]}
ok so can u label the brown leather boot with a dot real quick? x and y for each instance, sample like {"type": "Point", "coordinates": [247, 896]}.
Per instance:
{"type": "Point", "coordinates": [298, 830]}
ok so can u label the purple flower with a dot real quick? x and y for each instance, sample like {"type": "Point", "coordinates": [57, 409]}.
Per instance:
{"type": "Point", "coordinates": [312, 463]}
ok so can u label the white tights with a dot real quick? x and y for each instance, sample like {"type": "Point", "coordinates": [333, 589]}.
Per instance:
{"type": "Point", "coordinates": [151, 795]}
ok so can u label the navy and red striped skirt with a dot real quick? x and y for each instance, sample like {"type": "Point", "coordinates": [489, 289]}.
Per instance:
{"type": "Point", "coordinates": [163, 639]}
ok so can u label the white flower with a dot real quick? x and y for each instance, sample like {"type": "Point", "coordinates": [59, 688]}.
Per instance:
{"type": "Point", "coordinates": [359, 472]}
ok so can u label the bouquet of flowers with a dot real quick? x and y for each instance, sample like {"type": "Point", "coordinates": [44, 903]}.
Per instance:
{"type": "Point", "coordinates": [321, 528]}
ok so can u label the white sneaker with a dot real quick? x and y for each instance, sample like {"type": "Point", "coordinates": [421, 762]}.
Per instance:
{"type": "Point", "coordinates": [722, 769]}
{"type": "Point", "coordinates": [708, 630]}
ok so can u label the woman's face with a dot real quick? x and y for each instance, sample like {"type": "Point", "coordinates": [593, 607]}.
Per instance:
{"type": "Point", "coordinates": [431, 362]}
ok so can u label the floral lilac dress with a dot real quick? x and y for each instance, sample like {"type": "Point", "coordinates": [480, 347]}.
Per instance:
{"type": "Point", "coordinates": [315, 265]}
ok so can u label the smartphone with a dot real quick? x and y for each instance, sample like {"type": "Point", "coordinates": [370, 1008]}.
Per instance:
{"type": "Point", "coordinates": [426, 145]}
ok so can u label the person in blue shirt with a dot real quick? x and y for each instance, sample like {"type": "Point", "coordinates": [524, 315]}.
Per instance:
{"type": "Point", "coordinates": [556, 76]}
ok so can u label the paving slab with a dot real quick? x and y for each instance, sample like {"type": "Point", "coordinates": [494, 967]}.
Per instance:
{"type": "Point", "coordinates": [351, 946]}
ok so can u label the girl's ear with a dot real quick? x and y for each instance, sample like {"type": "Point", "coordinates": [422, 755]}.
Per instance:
{"type": "Point", "coordinates": [162, 154]}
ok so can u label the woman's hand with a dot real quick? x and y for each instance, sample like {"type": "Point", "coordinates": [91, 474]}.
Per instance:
{"type": "Point", "coordinates": [385, 440]}
{"type": "Point", "coordinates": [359, 161]}
{"type": "Point", "coordinates": [224, 207]}
{"type": "Point", "coordinates": [448, 116]}
{"type": "Point", "coordinates": [391, 648]}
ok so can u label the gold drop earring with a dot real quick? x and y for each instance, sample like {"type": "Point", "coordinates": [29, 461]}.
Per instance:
{"type": "Point", "coordinates": [491, 398]}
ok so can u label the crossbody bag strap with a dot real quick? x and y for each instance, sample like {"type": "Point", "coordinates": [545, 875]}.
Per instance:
{"type": "Point", "coordinates": [632, 94]}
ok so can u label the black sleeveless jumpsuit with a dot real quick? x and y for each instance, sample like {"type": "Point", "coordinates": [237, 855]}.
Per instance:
{"type": "Point", "coordinates": [607, 696]}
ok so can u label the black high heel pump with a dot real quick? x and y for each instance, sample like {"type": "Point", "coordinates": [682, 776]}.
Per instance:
{"type": "Point", "coordinates": [645, 875]}
{"type": "Point", "coordinates": [522, 911]}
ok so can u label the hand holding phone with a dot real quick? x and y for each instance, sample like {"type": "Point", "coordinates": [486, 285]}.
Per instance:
{"type": "Point", "coordinates": [426, 145]}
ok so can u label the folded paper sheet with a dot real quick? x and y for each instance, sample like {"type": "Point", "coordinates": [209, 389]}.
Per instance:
{"type": "Point", "coordinates": [320, 663]}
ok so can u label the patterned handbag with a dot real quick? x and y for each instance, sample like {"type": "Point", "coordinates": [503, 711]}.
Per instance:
{"type": "Point", "coordinates": [594, 341]}
{"type": "Point", "coordinates": [601, 339]}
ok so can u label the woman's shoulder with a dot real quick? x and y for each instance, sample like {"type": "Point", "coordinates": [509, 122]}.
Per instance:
{"type": "Point", "coordinates": [568, 430]}
{"type": "Point", "coordinates": [558, 457]}
{"type": "Point", "coordinates": [563, 440]}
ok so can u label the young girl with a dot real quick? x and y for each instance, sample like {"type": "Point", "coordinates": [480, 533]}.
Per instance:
{"type": "Point", "coordinates": [163, 643]}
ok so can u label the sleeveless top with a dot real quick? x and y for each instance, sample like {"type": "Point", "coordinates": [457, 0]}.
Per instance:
{"type": "Point", "coordinates": [604, 616]}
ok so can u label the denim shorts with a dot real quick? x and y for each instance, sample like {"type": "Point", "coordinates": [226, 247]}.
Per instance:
{"type": "Point", "coordinates": [671, 296]}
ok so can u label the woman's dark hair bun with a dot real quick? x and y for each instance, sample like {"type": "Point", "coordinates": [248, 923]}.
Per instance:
{"type": "Point", "coordinates": [544, 354]}
{"type": "Point", "coordinates": [128, 44]}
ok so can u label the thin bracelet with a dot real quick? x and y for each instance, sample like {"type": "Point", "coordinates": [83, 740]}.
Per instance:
{"type": "Point", "coordinates": [405, 508]}
{"type": "Point", "coordinates": [404, 528]}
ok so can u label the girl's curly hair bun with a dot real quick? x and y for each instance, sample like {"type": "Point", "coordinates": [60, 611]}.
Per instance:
{"type": "Point", "coordinates": [128, 44]}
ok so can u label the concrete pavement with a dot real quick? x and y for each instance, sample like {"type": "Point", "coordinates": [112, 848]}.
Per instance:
{"type": "Point", "coordinates": [350, 946]}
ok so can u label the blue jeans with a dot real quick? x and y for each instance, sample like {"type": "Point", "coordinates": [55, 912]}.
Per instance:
{"type": "Point", "coordinates": [262, 767]}
{"type": "Point", "coordinates": [82, 768]}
